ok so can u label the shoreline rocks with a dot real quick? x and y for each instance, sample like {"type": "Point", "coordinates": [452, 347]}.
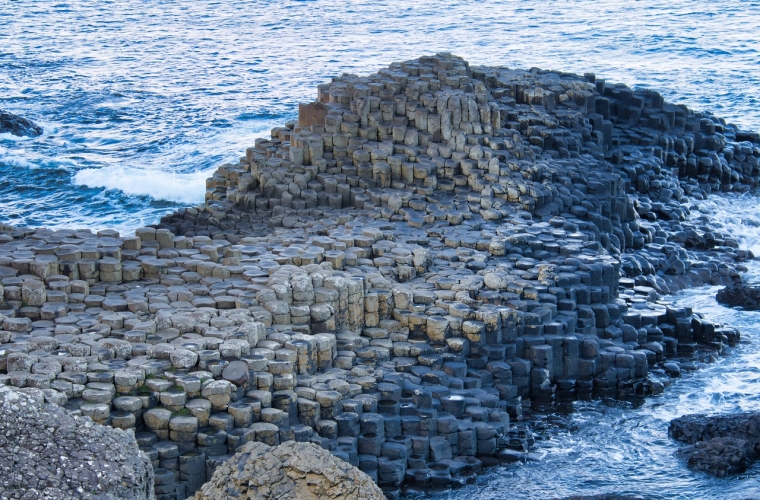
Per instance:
{"type": "Point", "coordinates": [740, 295]}
{"type": "Point", "coordinates": [18, 125]}
{"type": "Point", "coordinates": [720, 444]}
{"type": "Point", "coordinates": [428, 255]}
{"type": "Point", "coordinates": [49, 454]}
{"type": "Point", "coordinates": [290, 470]}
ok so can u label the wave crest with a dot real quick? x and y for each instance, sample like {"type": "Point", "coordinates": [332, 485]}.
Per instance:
{"type": "Point", "coordinates": [186, 188]}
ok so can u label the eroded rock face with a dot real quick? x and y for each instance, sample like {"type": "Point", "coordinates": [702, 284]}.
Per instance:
{"type": "Point", "coordinates": [291, 470]}
{"type": "Point", "coordinates": [17, 125]}
{"type": "Point", "coordinates": [49, 454]}
{"type": "Point", "coordinates": [740, 295]}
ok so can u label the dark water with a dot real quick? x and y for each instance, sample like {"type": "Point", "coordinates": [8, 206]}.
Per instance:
{"type": "Point", "coordinates": [142, 99]}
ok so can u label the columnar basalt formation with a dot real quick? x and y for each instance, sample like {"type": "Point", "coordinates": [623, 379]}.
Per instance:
{"type": "Point", "coordinates": [394, 277]}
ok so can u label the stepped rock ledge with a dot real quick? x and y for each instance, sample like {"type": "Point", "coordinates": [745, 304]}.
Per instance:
{"type": "Point", "coordinates": [407, 277]}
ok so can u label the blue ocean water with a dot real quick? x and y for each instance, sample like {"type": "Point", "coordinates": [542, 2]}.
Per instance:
{"type": "Point", "coordinates": [141, 100]}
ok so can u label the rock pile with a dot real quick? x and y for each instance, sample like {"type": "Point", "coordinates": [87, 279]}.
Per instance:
{"type": "Point", "coordinates": [721, 444]}
{"type": "Point", "coordinates": [290, 470]}
{"type": "Point", "coordinates": [394, 277]}
{"type": "Point", "coordinates": [50, 454]}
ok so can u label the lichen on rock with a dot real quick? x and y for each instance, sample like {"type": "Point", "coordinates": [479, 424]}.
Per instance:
{"type": "Point", "coordinates": [48, 454]}
{"type": "Point", "coordinates": [291, 470]}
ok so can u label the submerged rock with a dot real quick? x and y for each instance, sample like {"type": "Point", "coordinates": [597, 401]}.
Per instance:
{"type": "Point", "coordinates": [49, 454]}
{"type": "Point", "coordinates": [740, 295]}
{"type": "Point", "coordinates": [291, 470]}
{"type": "Point", "coordinates": [17, 125]}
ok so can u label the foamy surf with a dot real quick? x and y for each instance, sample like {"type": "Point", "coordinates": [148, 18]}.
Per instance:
{"type": "Point", "coordinates": [186, 188]}
{"type": "Point", "coordinates": [734, 215]}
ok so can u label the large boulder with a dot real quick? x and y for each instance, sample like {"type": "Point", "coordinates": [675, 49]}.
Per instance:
{"type": "Point", "coordinates": [47, 453]}
{"type": "Point", "coordinates": [740, 295]}
{"type": "Point", "coordinates": [290, 470]}
{"type": "Point", "coordinates": [697, 427]}
{"type": "Point", "coordinates": [719, 456]}
{"type": "Point", "coordinates": [720, 444]}
{"type": "Point", "coordinates": [17, 125]}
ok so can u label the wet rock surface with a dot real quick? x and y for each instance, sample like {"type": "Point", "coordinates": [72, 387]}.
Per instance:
{"type": "Point", "coordinates": [719, 456]}
{"type": "Point", "coordinates": [402, 277]}
{"type": "Point", "coordinates": [721, 444]}
{"type": "Point", "coordinates": [17, 125]}
{"type": "Point", "coordinates": [49, 454]}
{"type": "Point", "coordinates": [290, 470]}
{"type": "Point", "coordinates": [740, 295]}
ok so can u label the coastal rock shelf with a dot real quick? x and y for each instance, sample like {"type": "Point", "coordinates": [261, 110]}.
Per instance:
{"type": "Point", "coordinates": [395, 277]}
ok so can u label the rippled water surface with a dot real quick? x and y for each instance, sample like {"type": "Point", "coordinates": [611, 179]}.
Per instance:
{"type": "Point", "coordinates": [141, 100]}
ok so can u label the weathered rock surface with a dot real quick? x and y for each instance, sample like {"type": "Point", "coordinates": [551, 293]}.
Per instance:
{"type": "Point", "coordinates": [49, 454]}
{"type": "Point", "coordinates": [721, 444]}
{"type": "Point", "coordinates": [17, 125]}
{"type": "Point", "coordinates": [740, 295]}
{"type": "Point", "coordinates": [719, 456]}
{"type": "Point", "coordinates": [290, 470]}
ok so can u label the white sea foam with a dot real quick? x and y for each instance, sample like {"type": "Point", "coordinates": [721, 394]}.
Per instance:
{"type": "Point", "coordinates": [14, 160]}
{"type": "Point", "coordinates": [7, 136]}
{"type": "Point", "coordinates": [186, 188]}
{"type": "Point", "coordinates": [735, 216]}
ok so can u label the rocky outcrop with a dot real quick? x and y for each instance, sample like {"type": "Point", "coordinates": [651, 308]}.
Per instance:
{"type": "Point", "coordinates": [721, 444]}
{"type": "Point", "coordinates": [740, 295]}
{"type": "Point", "coordinates": [290, 470]}
{"type": "Point", "coordinates": [719, 456]}
{"type": "Point", "coordinates": [17, 125]}
{"type": "Point", "coordinates": [427, 252]}
{"type": "Point", "coordinates": [47, 454]}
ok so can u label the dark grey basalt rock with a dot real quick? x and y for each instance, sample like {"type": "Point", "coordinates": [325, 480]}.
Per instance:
{"type": "Point", "coordinates": [740, 295]}
{"type": "Point", "coordinates": [721, 444]}
{"type": "Point", "coordinates": [17, 125]}
{"type": "Point", "coordinates": [691, 429]}
{"type": "Point", "coordinates": [46, 453]}
{"type": "Point", "coordinates": [719, 456]}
